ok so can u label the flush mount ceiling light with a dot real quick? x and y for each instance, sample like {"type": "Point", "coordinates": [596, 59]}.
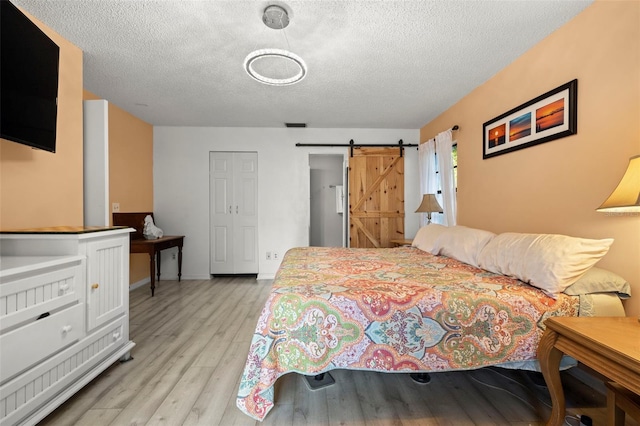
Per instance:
{"type": "Point", "coordinates": [277, 18]}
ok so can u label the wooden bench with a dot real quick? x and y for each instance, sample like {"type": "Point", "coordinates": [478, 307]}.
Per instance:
{"type": "Point", "coordinates": [139, 244]}
{"type": "Point", "coordinates": [619, 402]}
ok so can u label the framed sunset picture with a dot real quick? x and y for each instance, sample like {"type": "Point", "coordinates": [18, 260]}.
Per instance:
{"type": "Point", "coordinates": [550, 116]}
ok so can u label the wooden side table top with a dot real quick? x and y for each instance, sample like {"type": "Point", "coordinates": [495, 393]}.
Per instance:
{"type": "Point", "coordinates": [402, 242]}
{"type": "Point", "coordinates": [616, 337]}
{"type": "Point", "coordinates": [609, 345]}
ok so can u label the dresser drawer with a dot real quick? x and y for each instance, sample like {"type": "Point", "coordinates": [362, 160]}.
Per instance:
{"type": "Point", "coordinates": [29, 344]}
{"type": "Point", "coordinates": [49, 286]}
{"type": "Point", "coordinates": [79, 363]}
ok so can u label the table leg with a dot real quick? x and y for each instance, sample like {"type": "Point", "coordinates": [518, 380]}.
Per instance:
{"type": "Point", "coordinates": [179, 262]}
{"type": "Point", "coordinates": [615, 414]}
{"type": "Point", "coordinates": [159, 263]}
{"type": "Point", "coordinates": [549, 357]}
{"type": "Point", "coordinates": [152, 262]}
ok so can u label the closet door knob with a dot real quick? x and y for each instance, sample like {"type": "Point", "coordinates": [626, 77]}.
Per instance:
{"type": "Point", "coordinates": [95, 286]}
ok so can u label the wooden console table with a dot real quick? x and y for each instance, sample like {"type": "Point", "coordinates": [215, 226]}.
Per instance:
{"type": "Point", "coordinates": [139, 244]}
{"type": "Point", "coordinates": [609, 345]}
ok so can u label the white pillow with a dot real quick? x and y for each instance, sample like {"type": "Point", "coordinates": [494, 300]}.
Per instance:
{"type": "Point", "coordinates": [427, 235]}
{"type": "Point", "coordinates": [462, 243]}
{"type": "Point", "coordinates": [549, 262]}
{"type": "Point", "coordinates": [597, 280]}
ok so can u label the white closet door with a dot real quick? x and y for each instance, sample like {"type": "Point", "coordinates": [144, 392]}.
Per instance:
{"type": "Point", "coordinates": [233, 212]}
{"type": "Point", "coordinates": [245, 220]}
{"type": "Point", "coordinates": [221, 212]}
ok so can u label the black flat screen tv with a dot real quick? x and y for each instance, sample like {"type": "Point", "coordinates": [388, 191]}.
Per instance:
{"type": "Point", "coordinates": [29, 74]}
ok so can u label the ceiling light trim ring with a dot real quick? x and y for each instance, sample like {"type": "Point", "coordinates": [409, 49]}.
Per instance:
{"type": "Point", "coordinates": [275, 53]}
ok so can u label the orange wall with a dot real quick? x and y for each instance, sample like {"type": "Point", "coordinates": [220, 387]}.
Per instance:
{"type": "Point", "coordinates": [555, 187]}
{"type": "Point", "coordinates": [39, 188]}
{"type": "Point", "coordinates": [130, 161]}
{"type": "Point", "coordinates": [130, 171]}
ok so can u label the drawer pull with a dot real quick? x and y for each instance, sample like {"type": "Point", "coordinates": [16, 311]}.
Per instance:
{"type": "Point", "coordinates": [95, 286]}
{"type": "Point", "coordinates": [63, 288]}
{"type": "Point", "coordinates": [46, 314]}
{"type": "Point", "coordinates": [116, 335]}
{"type": "Point", "coordinates": [66, 329]}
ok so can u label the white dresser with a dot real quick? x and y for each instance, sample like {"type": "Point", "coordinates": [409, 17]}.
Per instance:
{"type": "Point", "coordinates": [64, 315]}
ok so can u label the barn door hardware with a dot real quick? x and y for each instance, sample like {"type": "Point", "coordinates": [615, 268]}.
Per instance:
{"type": "Point", "coordinates": [401, 145]}
{"type": "Point", "coordinates": [351, 145]}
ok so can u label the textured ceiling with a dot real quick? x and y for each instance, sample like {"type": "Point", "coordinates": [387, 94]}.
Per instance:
{"type": "Point", "coordinates": [372, 64]}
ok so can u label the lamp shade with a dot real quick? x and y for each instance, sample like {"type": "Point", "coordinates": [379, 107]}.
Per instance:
{"type": "Point", "coordinates": [626, 196]}
{"type": "Point", "coordinates": [429, 204]}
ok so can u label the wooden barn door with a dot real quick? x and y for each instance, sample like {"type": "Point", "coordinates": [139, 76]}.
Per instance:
{"type": "Point", "coordinates": [376, 197]}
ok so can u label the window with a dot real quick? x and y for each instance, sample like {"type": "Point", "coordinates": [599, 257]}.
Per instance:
{"type": "Point", "coordinates": [439, 217]}
{"type": "Point", "coordinates": [454, 156]}
{"type": "Point", "coordinates": [454, 159]}
{"type": "Point", "coordinates": [431, 179]}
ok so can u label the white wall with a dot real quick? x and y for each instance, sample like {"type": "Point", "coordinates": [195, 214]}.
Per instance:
{"type": "Point", "coordinates": [181, 185]}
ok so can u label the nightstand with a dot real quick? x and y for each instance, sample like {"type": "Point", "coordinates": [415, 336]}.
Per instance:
{"type": "Point", "coordinates": [608, 345]}
{"type": "Point", "coordinates": [405, 242]}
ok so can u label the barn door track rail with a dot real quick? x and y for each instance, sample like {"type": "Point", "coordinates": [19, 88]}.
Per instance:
{"type": "Point", "coordinates": [351, 145]}
{"type": "Point", "coordinates": [401, 145]}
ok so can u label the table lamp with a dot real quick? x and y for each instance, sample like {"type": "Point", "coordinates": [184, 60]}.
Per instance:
{"type": "Point", "coordinates": [626, 197]}
{"type": "Point", "coordinates": [429, 205]}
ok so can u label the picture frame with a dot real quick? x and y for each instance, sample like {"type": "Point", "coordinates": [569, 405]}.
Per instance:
{"type": "Point", "coordinates": [550, 116]}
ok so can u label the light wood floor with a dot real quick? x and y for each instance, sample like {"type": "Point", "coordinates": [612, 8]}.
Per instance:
{"type": "Point", "coordinates": [192, 340]}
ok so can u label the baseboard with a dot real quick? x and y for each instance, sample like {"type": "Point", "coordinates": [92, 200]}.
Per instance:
{"type": "Point", "coordinates": [139, 284]}
{"type": "Point", "coordinates": [193, 277]}
{"type": "Point", "coordinates": [266, 276]}
{"type": "Point", "coordinates": [147, 280]}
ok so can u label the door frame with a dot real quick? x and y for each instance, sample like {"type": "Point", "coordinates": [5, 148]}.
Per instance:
{"type": "Point", "coordinates": [231, 263]}
{"type": "Point", "coordinates": [345, 186]}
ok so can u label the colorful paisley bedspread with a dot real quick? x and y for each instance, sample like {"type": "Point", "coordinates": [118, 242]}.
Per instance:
{"type": "Point", "coordinates": [391, 310]}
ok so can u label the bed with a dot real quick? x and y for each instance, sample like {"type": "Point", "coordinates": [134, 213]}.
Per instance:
{"type": "Point", "coordinates": [398, 310]}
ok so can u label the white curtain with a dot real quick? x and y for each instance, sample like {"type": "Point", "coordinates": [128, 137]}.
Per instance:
{"type": "Point", "coordinates": [430, 181]}
{"type": "Point", "coordinates": [428, 176]}
{"type": "Point", "coordinates": [444, 145]}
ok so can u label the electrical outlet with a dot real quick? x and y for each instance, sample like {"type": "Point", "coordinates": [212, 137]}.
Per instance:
{"type": "Point", "coordinates": [173, 256]}
{"type": "Point", "coordinates": [115, 207]}
{"type": "Point", "coordinates": [268, 255]}
{"type": "Point", "coordinates": [275, 255]}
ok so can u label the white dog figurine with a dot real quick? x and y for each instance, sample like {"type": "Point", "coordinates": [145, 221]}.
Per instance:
{"type": "Point", "coordinates": [151, 231]}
